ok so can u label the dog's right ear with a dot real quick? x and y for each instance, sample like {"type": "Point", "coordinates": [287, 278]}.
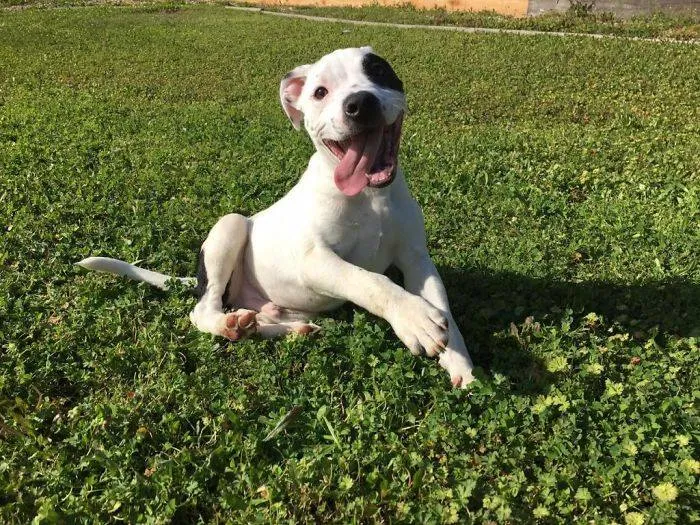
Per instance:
{"type": "Point", "coordinates": [290, 90]}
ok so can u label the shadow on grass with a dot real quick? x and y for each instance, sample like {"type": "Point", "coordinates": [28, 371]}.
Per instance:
{"type": "Point", "coordinates": [490, 305]}
{"type": "Point", "coordinates": [486, 303]}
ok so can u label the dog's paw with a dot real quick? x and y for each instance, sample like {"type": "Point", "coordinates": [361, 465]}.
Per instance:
{"type": "Point", "coordinates": [459, 367]}
{"type": "Point", "coordinates": [305, 328]}
{"type": "Point", "coordinates": [239, 324]}
{"type": "Point", "coordinates": [420, 326]}
{"type": "Point", "coordinates": [272, 330]}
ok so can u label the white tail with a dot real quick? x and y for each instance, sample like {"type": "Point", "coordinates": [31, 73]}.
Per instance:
{"type": "Point", "coordinates": [115, 266]}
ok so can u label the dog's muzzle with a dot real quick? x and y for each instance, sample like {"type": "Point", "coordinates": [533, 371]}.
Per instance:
{"type": "Point", "coordinates": [369, 157]}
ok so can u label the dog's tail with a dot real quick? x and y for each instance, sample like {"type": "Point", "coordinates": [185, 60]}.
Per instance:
{"type": "Point", "coordinates": [115, 266]}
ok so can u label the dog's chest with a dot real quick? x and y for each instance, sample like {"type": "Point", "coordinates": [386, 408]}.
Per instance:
{"type": "Point", "coordinates": [363, 233]}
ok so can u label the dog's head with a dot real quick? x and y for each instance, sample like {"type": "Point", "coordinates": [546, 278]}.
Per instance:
{"type": "Point", "coordinates": [352, 105]}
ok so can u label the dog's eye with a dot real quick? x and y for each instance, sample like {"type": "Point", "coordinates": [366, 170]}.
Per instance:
{"type": "Point", "coordinates": [320, 93]}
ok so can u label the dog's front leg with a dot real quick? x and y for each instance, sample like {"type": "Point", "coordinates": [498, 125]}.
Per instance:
{"type": "Point", "coordinates": [422, 278]}
{"type": "Point", "coordinates": [417, 323]}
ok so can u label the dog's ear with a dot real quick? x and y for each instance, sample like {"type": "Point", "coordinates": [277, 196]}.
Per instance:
{"type": "Point", "coordinates": [290, 90]}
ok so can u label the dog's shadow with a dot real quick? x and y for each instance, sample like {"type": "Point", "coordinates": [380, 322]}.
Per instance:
{"type": "Point", "coordinates": [491, 307]}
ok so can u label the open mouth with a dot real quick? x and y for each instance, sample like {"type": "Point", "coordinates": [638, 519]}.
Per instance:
{"type": "Point", "coordinates": [366, 159]}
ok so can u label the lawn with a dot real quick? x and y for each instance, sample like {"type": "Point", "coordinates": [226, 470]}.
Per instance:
{"type": "Point", "coordinates": [560, 179]}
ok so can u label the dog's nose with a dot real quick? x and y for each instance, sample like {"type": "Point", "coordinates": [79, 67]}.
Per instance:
{"type": "Point", "coordinates": [363, 108]}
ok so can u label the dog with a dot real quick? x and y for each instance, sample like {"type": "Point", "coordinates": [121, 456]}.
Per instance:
{"type": "Point", "coordinates": [331, 238]}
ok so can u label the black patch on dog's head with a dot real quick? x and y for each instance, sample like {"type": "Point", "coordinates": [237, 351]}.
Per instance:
{"type": "Point", "coordinates": [380, 72]}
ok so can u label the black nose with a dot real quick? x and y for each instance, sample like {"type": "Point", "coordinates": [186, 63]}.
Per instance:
{"type": "Point", "coordinates": [363, 108]}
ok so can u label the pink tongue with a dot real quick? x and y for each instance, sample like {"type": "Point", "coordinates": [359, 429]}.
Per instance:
{"type": "Point", "coordinates": [351, 174]}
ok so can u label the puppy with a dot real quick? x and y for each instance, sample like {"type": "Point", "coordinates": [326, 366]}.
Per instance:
{"type": "Point", "coordinates": [330, 239]}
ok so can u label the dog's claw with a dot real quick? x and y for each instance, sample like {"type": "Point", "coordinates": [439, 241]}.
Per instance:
{"type": "Point", "coordinates": [441, 321]}
{"type": "Point", "coordinates": [435, 350]}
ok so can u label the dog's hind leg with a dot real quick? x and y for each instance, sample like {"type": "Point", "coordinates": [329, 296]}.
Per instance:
{"type": "Point", "coordinates": [220, 276]}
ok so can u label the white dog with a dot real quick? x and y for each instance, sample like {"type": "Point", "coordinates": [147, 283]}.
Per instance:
{"type": "Point", "coordinates": [330, 239]}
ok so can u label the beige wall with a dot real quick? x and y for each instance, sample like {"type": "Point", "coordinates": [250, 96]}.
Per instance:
{"type": "Point", "coordinates": [512, 7]}
{"type": "Point", "coordinates": [506, 7]}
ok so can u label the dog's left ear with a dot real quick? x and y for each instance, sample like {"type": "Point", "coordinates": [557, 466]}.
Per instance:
{"type": "Point", "coordinates": [290, 90]}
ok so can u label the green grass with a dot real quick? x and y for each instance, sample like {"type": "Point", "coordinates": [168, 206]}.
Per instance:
{"type": "Point", "coordinates": [680, 25]}
{"type": "Point", "coordinates": [560, 179]}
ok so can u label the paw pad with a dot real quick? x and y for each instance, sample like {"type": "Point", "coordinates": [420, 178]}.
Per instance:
{"type": "Point", "coordinates": [239, 325]}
